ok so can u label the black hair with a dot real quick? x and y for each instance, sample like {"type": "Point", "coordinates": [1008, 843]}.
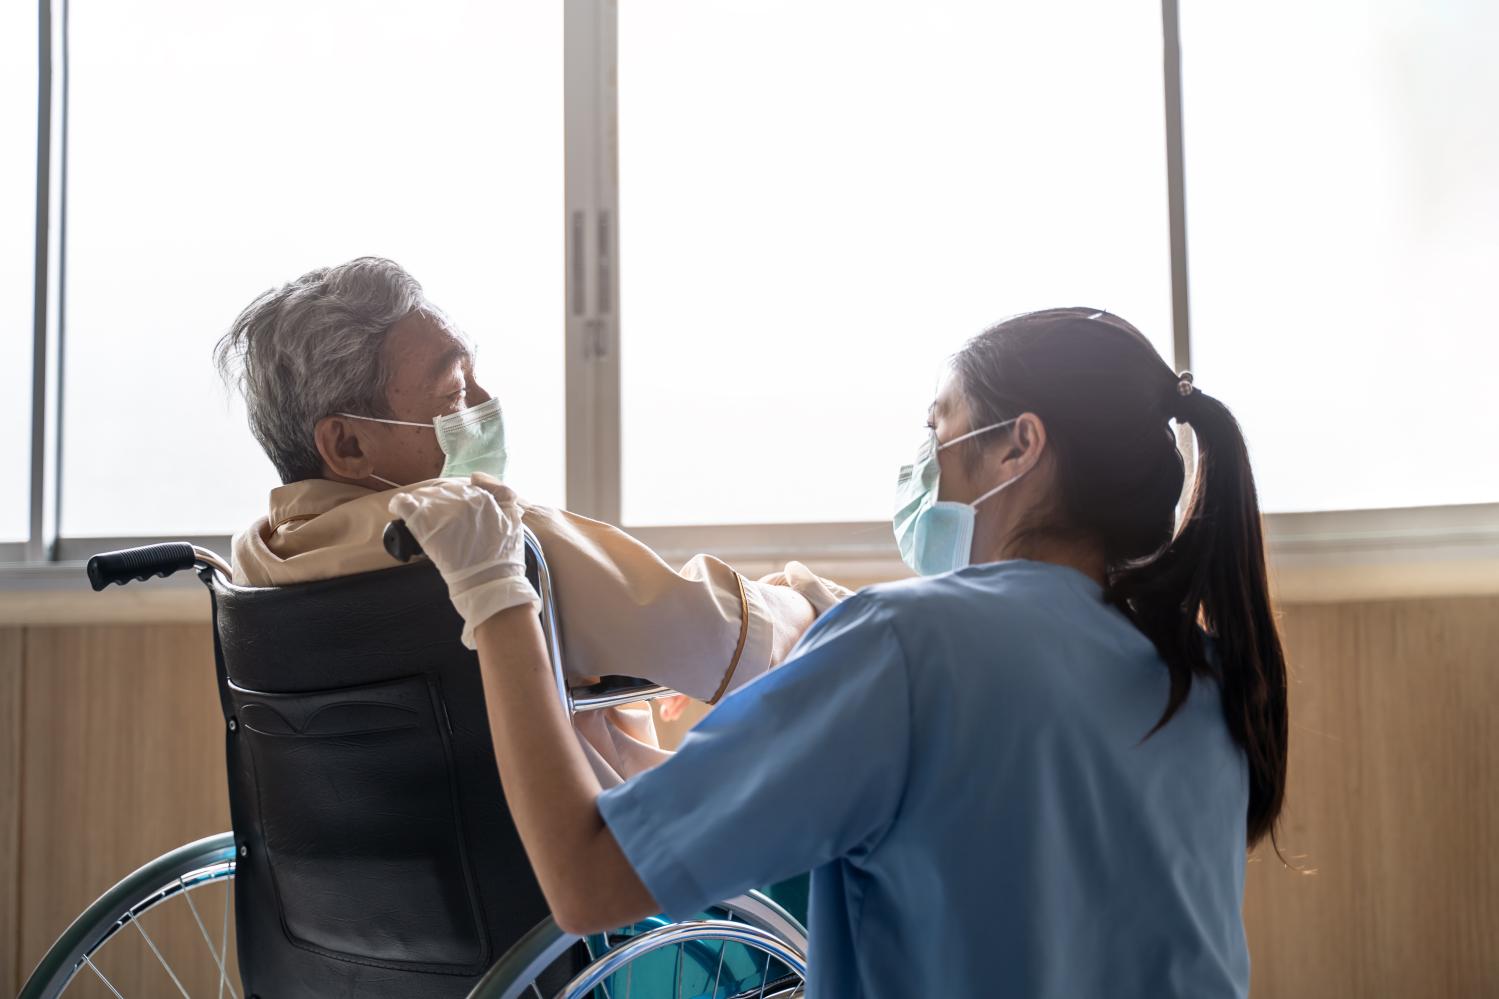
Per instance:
{"type": "Point", "coordinates": [1106, 399]}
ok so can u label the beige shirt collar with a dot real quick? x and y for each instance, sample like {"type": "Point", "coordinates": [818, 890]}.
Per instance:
{"type": "Point", "coordinates": [310, 498]}
{"type": "Point", "coordinates": [316, 529]}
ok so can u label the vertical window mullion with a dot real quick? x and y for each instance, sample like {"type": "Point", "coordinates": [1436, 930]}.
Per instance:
{"type": "Point", "coordinates": [1181, 327]}
{"type": "Point", "coordinates": [591, 219]}
{"type": "Point", "coordinates": [47, 272]}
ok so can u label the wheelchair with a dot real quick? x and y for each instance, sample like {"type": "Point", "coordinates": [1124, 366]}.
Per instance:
{"type": "Point", "coordinates": [371, 853]}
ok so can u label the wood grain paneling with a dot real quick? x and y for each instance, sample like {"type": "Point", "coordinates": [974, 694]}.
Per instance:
{"type": "Point", "coordinates": [1393, 803]}
{"type": "Point", "coordinates": [124, 751]}
{"type": "Point", "coordinates": [10, 808]}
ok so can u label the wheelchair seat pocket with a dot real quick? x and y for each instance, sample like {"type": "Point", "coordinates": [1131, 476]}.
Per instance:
{"type": "Point", "coordinates": [393, 890]}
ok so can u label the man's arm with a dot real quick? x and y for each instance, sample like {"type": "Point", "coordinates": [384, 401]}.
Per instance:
{"type": "Point", "coordinates": [589, 884]}
{"type": "Point", "coordinates": [703, 629]}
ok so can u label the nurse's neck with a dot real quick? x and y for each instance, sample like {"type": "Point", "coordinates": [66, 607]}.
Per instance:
{"type": "Point", "coordinates": [1086, 558]}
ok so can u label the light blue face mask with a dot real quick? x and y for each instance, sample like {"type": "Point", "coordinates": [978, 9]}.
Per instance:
{"type": "Point", "coordinates": [936, 536]}
{"type": "Point", "coordinates": [472, 440]}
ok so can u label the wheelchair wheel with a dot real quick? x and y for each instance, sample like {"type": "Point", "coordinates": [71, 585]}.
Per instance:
{"type": "Point", "coordinates": [746, 947]}
{"type": "Point", "coordinates": [95, 942]}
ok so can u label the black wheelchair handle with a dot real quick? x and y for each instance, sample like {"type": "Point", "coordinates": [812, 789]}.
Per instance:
{"type": "Point", "coordinates": [139, 563]}
{"type": "Point", "coordinates": [400, 542]}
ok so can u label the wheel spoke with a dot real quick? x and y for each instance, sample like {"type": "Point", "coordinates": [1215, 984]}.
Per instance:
{"type": "Point", "coordinates": [681, 948]}
{"type": "Point", "coordinates": [107, 983]}
{"type": "Point", "coordinates": [152, 944]}
{"type": "Point", "coordinates": [207, 940]}
{"type": "Point", "coordinates": [764, 977]}
{"type": "Point", "coordinates": [722, 946]}
{"type": "Point", "coordinates": [224, 943]}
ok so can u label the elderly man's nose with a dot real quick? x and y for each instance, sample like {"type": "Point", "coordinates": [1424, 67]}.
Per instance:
{"type": "Point", "coordinates": [476, 393]}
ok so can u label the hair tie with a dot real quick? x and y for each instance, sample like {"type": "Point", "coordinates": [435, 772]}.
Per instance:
{"type": "Point", "coordinates": [1181, 401]}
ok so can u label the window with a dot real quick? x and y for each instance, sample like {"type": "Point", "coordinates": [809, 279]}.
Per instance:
{"type": "Point", "coordinates": [842, 195]}
{"type": "Point", "coordinates": [815, 205]}
{"type": "Point", "coordinates": [18, 34]}
{"type": "Point", "coordinates": [216, 151]}
{"type": "Point", "coordinates": [1341, 214]}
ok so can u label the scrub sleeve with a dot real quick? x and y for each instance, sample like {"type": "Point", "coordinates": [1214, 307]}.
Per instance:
{"type": "Point", "coordinates": [803, 766]}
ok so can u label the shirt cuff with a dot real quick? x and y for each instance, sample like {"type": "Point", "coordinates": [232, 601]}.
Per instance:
{"type": "Point", "coordinates": [754, 657]}
{"type": "Point", "coordinates": [647, 845]}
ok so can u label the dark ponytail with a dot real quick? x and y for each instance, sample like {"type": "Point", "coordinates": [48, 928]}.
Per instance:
{"type": "Point", "coordinates": [1106, 398]}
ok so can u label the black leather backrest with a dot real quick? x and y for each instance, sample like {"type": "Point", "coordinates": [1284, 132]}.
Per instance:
{"type": "Point", "coordinates": [377, 857]}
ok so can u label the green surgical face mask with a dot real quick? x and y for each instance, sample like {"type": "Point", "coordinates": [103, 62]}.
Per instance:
{"type": "Point", "coordinates": [472, 440]}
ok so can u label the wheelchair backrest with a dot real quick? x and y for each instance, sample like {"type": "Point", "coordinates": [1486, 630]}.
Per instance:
{"type": "Point", "coordinates": [376, 856]}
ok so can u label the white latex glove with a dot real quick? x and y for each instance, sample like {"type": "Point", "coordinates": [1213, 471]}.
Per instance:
{"type": "Point", "coordinates": [472, 532]}
{"type": "Point", "coordinates": [822, 594]}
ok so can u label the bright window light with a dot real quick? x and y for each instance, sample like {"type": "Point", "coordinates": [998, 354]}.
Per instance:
{"type": "Point", "coordinates": [821, 201]}
{"type": "Point", "coordinates": [18, 34]}
{"type": "Point", "coordinates": [1343, 229]}
{"type": "Point", "coordinates": [220, 149]}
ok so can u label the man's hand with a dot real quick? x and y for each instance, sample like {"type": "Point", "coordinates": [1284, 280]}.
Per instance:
{"type": "Point", "coordinates": [671, 707]}
{"type": "Point", "coordinates": [472, 532]}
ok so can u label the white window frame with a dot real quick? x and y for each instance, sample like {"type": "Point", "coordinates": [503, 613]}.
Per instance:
{"type": "Point", "coordinates": [1458, 544]}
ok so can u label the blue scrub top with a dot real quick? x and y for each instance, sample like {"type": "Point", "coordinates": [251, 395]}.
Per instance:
{"type": "Point", "coordinates": [959, 762]}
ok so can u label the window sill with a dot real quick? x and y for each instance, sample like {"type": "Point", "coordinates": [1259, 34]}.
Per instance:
{"type": "Point", "coordinates": [1330, 557]}
{"type": "Point", "coordinates": [59, 593]}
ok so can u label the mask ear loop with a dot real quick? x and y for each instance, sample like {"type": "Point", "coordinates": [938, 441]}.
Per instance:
{"type": "Point", "coordinates": [974, 433]}
{"type": "Point", "coordinates": [1003, 485]}
{"type": "Point", "coordinates": [376, 419]}
{"type": "Point", "coordinates": [999, 488]}
{"type": "Point", "coordinates": [398, 423]}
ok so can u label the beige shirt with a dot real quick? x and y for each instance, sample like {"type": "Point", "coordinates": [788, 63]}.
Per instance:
{"type": "Point", "coordinates": [703, 630]}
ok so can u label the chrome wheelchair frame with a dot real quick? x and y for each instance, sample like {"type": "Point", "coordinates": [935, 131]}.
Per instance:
{"type": "Point", "coordinates": [752, 923]}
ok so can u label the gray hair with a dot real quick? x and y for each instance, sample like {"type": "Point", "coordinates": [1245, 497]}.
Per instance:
{"type": "Point", "coordinates": [311, 348]}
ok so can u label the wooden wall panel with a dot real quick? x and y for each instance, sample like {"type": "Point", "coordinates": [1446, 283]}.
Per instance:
{"type": "Point", "coordinates": [1393, 803]}
{"type": "Point", "coordinates": [1394, 796]}
{"type": "Point", "coordinates": [124, 751]}
{"type": "Point", "coordinates": [10, 807]}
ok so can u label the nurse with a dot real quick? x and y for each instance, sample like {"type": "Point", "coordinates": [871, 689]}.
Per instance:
{"type": "Point", "coordinates": [1032, 771]}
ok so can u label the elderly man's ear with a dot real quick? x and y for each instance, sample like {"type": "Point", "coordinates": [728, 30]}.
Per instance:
{"type": "Point", "coordinates": [343, 450]}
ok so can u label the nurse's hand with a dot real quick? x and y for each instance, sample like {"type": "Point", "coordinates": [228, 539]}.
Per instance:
{"type": "Point", "coordinates": [472, 533]}
{"type": "Point", "coordinates": [822, 594]}
{"type": "Point", "coordinates": [791, 614]}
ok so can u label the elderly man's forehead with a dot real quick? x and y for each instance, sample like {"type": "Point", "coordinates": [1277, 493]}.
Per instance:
{"type": "Point", "coordinates": [456, 343]}
{"type": "Point", "coordinates": [457, 351]}
{"type": "Point", "coordinates": [429, 344]}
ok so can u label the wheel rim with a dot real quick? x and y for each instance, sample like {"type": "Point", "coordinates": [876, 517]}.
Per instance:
{"type": "Point", "coordinates": [518, 973]}
{"type": "Point", "coordinates": [116, 916]}
{"type": "Point", "coordinates": [677, 936]}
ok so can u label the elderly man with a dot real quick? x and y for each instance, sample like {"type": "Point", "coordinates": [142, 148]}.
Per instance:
{"type": "Point", "coordinates": [343, 372]}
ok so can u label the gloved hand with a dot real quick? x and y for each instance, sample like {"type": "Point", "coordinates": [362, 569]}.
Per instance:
{"type": "Point", "coordinates": [472, 532]}
{"type": "Point", "coordinates": [822, 594]}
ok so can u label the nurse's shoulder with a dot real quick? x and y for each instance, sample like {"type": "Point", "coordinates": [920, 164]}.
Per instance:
{"type": "Point", "coordinates": [999, 617]}
{"type": "Point", "coordinates": [985, 596]}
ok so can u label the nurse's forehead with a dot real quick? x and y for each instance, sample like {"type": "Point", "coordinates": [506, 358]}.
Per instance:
{"type": "Point", "coordinates": [948, 401]}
